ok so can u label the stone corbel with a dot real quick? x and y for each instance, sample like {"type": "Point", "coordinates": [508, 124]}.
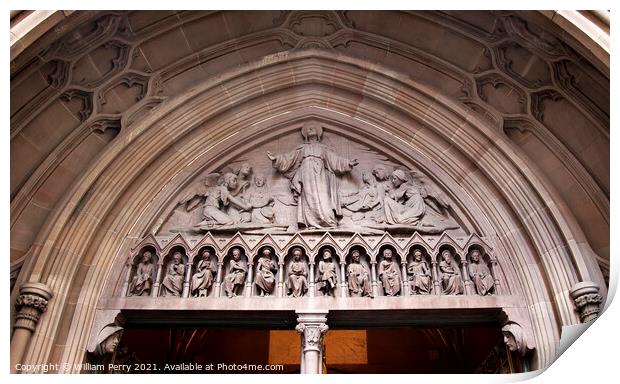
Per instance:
{"type": "Point", "coordinates": [587, 299]}
{"type": "Point", "coordinates": [105, 334]}
{"type": "Point", "coordinates": [517, 332]}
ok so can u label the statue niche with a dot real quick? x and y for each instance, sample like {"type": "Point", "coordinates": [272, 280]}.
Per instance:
{"type": "Point", "coordinates": [450, 274]}
{"type": "Point", "coordinates": [266, 269]}
{"type": "Point", "coordinates": [313, 188]}
{"type": "Point", "coordinates": [235, 275]}
{"type": "Point", "coordinates": [327, 273]}
{"type": "Point", "coordinates": [204, 273]}
{"type": "Point", "coordinates": [480, 274]}
{"type": "Point", "coordinates": [297, 274]}
{"type": "Point", "coordinates": [145, 273]}
{"type": "Point", "coordinates": [172, 282]}
{"type": "Point", "coordinates": [358, 276]}
{"type": "Point", "coordinates": [389, 273]}
{"type": "Point", "coordinates": [419, 273]}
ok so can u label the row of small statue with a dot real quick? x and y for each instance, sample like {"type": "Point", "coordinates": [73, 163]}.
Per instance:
{"type": "Point", "coordinates": [358, 276]}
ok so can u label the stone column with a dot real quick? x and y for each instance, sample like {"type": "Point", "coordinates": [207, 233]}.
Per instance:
{"type": "Point", "coordinates": [436, 284]}
{"type": "Point", "coordinates": [373, 278]}
{"type": "Point", "coordinates": [311, 282]}
{"type": "Point", "coordinates": [343, 279]}
{"type": "Point", "coordinates": [218, 279]}
{"type": "Point", "coordinates": [249, 281]}
{"type": "Point", "coordinates": [125, 289]}
{"type": "Point", "coordinates": [312, 328]}
{"type": "Point", "coordinates": [188, 277]}
{"type": "Point", "coordinates": [469, 288]}
{"type": "Point", "coordinates": [496, 283]}
{"type": "Point", "coordinates": [30, 304]}
{"type": "Point", "coordinates": [405, 282]}
{"type": "Point", "coordinates": [587, 300]}
{"type": "Point", "coordinates": [156, 284]}
{"type": "Point", "coordinates": [280, 288]}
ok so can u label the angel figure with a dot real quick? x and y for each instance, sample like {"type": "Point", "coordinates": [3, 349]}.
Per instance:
{"type": "Point", "coordinates": [405, 204]}
{"type": "Point", "coordinates": [216, 191]}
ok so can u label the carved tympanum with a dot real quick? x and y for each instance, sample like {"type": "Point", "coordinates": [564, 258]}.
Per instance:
{"type": "Point", "coordinates": [313, 188]}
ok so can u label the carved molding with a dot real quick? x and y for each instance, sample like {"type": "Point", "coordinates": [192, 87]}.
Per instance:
{"type": "Point", "coordinates": [117, 62]}
{"type": "Point", "coordinates": [103, 124]}
{"type": "Point", "coordinates": [544, 44]}
{"type": "Point", "coordinates": [505, 64]}
{"type": "Point", "coordinates": [496, 80]}
{"type": "Point", "coordinates": [85, 97]}
{"type": "Point", "coordinates": [84, 38]}
{"type": "Point", "coordinates": [538, 99]}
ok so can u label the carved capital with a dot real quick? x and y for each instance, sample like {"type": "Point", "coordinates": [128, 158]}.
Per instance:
{"type": "Point", "coordinates": [312, 335]}
{"type": "Point", "coordinates": [312, 328]}
{"type": "Point", "coordinates": [587, 299]}
{"type": "Point", "coordinates": [30, 304]}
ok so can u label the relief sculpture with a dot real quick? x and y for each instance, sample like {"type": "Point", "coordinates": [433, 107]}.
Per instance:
{"type": "Point", "coordinates": [202, 279]}
{"type": "Point", "coordinates": [266, 269]}
{"type": "Point", "coordinates": [327, 278]}
{"type": "Point", "coordinates": [172, 285]}
{"type": "Point", "coordinates": [297, 283]}
{"type": "Point", "coordinates": [313, 169]}
{"type": "Point", "coordinates": [233, 282]}
{"type": "Point", "coordinates": [314, 188]}
{"type": "Point", "coordinates": [419, 275]}
{"type": "Point", "coordinates": [142, 281]}
{"type": "Point", "coordinates": [358, 277]}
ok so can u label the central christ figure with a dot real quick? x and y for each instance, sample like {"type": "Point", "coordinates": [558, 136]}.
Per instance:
{"type": "Point", "coordinates": [312, 168]}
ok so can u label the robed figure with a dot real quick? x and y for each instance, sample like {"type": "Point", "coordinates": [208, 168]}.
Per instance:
{"type": "Point", "coordinates": [265, 273]}
{"type": "Point", "coordinates": [297, 282]}
{"type": "Point", "coordinates": [358, 277]}
{"type": "Point", "coordinates": [450, 275]}
{"type": "Point", "coordinates": [142, 281]}
{"type": "Point", "coordinates": [389, 274]}
{"type": "Point", "coordinates": [172, 285]}
{"type": "Point", "coordinates": [236, 274]}
{"type": "Point", "coordinates": [480, 274]}
{"type": "Point", "coordinates": [202, 279]}
{"type": "Point", "coordinates": [327, 278]}
{"type": "Point", "coordinates": [419, 275]}
{"type": "Point", "coordinates": [313, 169]}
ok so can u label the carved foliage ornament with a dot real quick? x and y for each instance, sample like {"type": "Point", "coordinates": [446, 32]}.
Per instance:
{"type": "Point", "coordinates": [312, 334]}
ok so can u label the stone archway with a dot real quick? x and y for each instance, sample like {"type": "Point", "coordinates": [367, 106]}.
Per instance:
{"type": "Point", "coordinates": [129, 187]}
